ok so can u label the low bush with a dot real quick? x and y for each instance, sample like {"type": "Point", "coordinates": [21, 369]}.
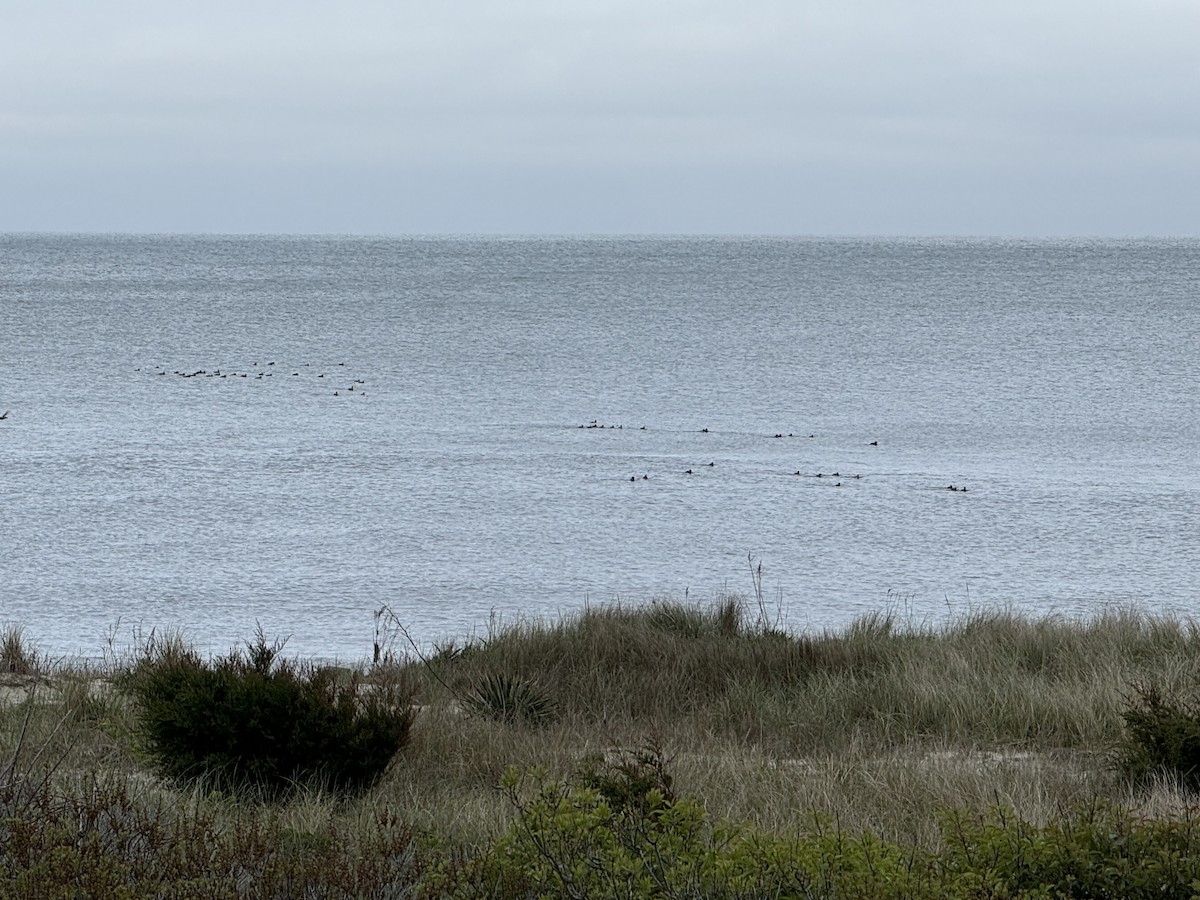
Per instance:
{"type": "Point", "coordinates": [1094, 852]}
{"type": "Point", "coordinates": [570, 840]}
{"type": "Point", "coordinates": [252, 719]}
{"type": "Point", "coordinates": [1162, 738]}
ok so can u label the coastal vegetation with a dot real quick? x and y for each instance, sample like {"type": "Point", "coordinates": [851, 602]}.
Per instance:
{"type": "Point", "coordinates": [665, 750]}
{"type": "Point", "coordinates": [255, 722]}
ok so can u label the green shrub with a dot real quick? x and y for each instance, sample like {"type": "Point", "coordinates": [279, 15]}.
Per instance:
{"type": "Point", "coordinates": [1162, 738]}
{"type": "Point", "coordinates": [1093, 853]}
{"type": "Point", "coordinates": [255, 720]}
{"type": "Point", "coordinates": [572, 840]}
{"type": "Point", "coordinates": [569, 841]}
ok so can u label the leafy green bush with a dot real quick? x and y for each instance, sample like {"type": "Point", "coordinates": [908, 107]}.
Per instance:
{"type": "Point", "coordinates": [570, 840]}
{"type": "Point", "coordinates": [1162, 738]}
{"type": "Point", "coordinates": [255, 720]}
{"type": "Point", "coordinates": [1095, 852]}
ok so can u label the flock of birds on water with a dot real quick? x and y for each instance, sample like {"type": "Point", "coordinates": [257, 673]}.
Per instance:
{"type": "Point", "coordinates": [596, 424]}
{"type": "Point", "coordinates": [267, 371]}
{"type": "Point", "coordinates": [261, 371]}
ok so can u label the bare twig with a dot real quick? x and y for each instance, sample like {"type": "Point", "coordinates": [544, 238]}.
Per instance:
{"type": "Point", "coordinates": [386, 610]}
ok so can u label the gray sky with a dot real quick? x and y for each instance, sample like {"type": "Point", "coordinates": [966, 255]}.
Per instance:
{"type": "Point", "coordinates": [1035, 117]}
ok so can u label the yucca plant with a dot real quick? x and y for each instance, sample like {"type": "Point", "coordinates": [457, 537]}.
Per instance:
{"type": "Point", "coordinates": [510, 699]}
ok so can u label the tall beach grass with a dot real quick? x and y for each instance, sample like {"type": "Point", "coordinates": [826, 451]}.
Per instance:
{"type": "Point", "coordinates": [879, 724]}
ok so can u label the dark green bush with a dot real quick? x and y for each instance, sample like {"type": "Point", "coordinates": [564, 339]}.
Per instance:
{"type": "Point", "coordinates": [1162, 738]}
{"type": "Point", "coordinates": [254, 720]}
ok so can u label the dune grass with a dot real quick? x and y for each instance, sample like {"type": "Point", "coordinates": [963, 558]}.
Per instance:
{"type": "Point", "coordinates": [988, 678]}
{"type": "Point", "coordinates": [880, 727]}
{"type": "Point", "coordinates": [880, 724]}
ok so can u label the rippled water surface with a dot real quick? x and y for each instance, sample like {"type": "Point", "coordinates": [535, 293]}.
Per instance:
{"type": "Point", "coordinates": [211, 432]}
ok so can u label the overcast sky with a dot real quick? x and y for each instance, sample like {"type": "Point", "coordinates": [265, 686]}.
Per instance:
{"type": "Point", "coordinates": [1032, 117]}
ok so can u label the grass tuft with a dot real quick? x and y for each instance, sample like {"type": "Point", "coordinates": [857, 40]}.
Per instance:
{"type": "Point", "coordinates": [16, 656]}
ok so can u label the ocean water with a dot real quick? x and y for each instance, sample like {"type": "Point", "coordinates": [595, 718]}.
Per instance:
{"type": "Point", "coordinates": [209, 433]}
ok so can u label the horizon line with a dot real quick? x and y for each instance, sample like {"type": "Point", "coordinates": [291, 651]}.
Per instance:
{"type": "Point", "coordinates": [558, 235]}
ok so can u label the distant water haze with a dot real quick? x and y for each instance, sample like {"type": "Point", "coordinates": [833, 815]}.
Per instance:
{"type": "Point", "coordinates": [206, 433]}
